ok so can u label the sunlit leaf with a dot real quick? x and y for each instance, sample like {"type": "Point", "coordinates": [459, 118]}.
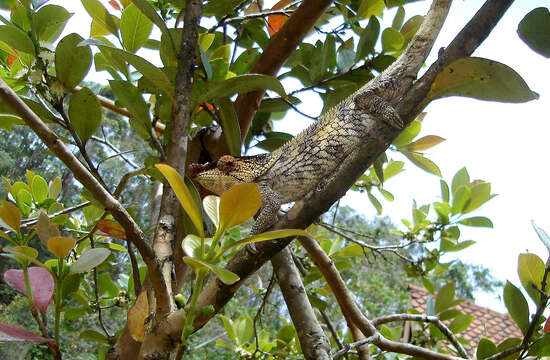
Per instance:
{"type": "Point", "coordinates": [39, 188]}
{"type": "Point", "coordinates": [424, 143]}
{"type": "Point", "coordinates": [101, 16]}
{"type": "Point", "coordinates": [135, 28]}
{"type": "Point", "coordinates": [191, 245]}
{"type": "Point", "coordinates": [240, 84]}
{"type": "Point", "coordinates": [10, 216]}
{"type": "Point", "coordinates": [392, 40]}
{"type": "Point", "coordinates": [89, 260]}
{"type": "Point", "coordinates": [477, 221]}
{"type": "Point", "coordinates": [239, 204]}
{"type": "Point", "coordinates": [61, 246]}
{"type": "Point", "coordinates": [543, 236]}
{"type": "Point", "coordinates": [423, 162]}
{"type": "Point", "coordinates": [269, 235]}
{"type": "Point", "coordinates": [531, 272]}
{"type": "Point", "coordinates": [407, 135]}
{"type": "Point", "coordinates": [150, 12]}
{"type": "Point", "coordinates": [460, 198]}
{"type": "Point", "coordinates": [54, 189]}
{"type": "Point", "coordinates": [275, 22]}
{"type": "Point", "coordinates": [226, 276]}
{"type": "Point", "coordinates": [211, 206]}
{"type": "Point", "coordinates": [183, 194]}
{"type": "Point", "coordinates": [111, 228]}
{"type": "Point", "coordinates": [41, 283]}
{"type": "Point", "coordinates": [49, 22]}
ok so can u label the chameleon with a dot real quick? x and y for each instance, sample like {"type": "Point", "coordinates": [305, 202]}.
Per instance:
{"type": "Point", "coordinates": [299, 166]}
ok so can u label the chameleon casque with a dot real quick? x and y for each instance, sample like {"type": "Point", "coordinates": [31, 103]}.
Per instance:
{"type": "Point", "coordinates": [298, 167]}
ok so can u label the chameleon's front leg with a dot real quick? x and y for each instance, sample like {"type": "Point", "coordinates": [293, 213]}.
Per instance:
{"type": "Point", "coordinates": [378, 107]}
{"type": "Point", "coordinates": [267, 215]}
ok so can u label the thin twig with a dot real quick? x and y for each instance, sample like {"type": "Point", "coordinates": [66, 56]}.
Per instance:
{"type": "Point", "coordinates": [348, 347]}
{"type": "Point", "coordinates": [115, 149]}
{"type": "Point", "coordinates": [29, 222]}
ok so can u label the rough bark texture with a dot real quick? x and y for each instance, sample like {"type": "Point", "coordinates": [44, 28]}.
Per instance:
{"type": "Point", "coordinates": [313, 341]}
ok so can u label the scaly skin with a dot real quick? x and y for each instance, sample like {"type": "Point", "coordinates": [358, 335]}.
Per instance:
{"type": "Point", "coordinates": [299, 166]}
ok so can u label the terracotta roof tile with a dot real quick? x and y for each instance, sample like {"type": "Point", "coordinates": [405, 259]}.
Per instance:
{"type": "Point", "coordinates": [487, 323]}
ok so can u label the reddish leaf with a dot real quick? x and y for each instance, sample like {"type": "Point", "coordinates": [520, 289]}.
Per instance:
{"type": "Point", "coordinates": [11, 60]}
{"type": "Point", "coordinates": [114, 4]}
{"type": "Point", "coordinates": [546, 329]}
{"type": "Point", "coordinates": [11, 333]}
{"type": "Point", "coordinates": [275, 22]}
{"type": "Point", "coordinates": [111, 228]}
{"type": "Point", "coordinates": [42, 285]}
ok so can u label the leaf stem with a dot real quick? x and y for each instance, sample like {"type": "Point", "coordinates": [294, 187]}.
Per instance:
{"type": "Point", "coordinates": [190, 316]}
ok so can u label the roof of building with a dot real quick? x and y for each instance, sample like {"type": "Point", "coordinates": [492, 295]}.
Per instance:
{"type": "Point", "coordinates": [487, 323]}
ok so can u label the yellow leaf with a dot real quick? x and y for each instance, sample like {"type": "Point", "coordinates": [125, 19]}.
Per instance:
{"type": "Point", "coordinates": [183, 194]}
{"type": "Point", "coordinates": [275, 22]}
{"type": "Point", "coordinates": [111, 228]}
{"type": "Point", "coordinates": [61, 246]}
{"type": "Point", "coordinates": [137, 315]}
{"type": "Point", "coordinates": [425, 143]}
{"type": "Point", "coordinates": [10, 215]}
{"type": "Point", "coordinates": [239, 204]}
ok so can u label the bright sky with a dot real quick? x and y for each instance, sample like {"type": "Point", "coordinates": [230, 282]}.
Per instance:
{"type": "Point", "coordinates": [505, 144]}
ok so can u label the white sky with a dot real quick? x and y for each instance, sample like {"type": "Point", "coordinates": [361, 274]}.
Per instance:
{"type": "Point", "coordinates": [505, 144]}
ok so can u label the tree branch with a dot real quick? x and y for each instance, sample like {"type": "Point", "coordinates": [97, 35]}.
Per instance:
{"type": "Point", "coordinates": [281, 46]}
{"type": "Point", "coordinates": [313, 340]}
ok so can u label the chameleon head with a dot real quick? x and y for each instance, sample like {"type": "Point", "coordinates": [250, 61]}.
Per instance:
{"type": "Point", "coordinates": [222, 174]}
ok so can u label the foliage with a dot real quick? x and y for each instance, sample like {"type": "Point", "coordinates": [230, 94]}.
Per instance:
{"type": "Point", "coordinates": [65, 249]}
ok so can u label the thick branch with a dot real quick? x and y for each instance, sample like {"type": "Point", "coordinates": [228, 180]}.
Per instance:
{"type": "Point", "coordinates": [176, 153]}
{"type": "Point", "coordinates": [281, 46]}
{"type": "Point", "coordinates": [313, 340]}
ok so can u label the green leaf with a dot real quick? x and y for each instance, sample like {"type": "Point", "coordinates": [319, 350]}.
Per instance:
{"type": "Point", "coordinates": [461, 323]}
{"type": "Point", "coordinates": [244, 329]}
{"type": "Point", "coordinates": [375, 203]}
{"type": "Point", "coordinates": [540, 348]}
{"type": "Point", "coordinates": [411, 26]}
{"type": "Point", "coordinates": [228, 324]}
{"type": "Point", "coordinates": [101, 16]}
{"type": "Point", "coordinates": [240, 84]}
{"type": "Point", "coordinates": [274, 140]}
{"type": "Point", "coordinates": [191, 246]}
{"type": "Point", "coordinates": [183, 194]}
{"type": "Point", "coordinates": [543, 236]}
{"type": "Point", "coordinates": [444, 190]}
{"type": "Point", "coordinates": [10, 216]}
{"type": "Point", "coordinates": [89, 260]}
{"type": "Point", "coordinates": [39, 189]}
{"type": "Point", "coordinates": [517, 306]}
{"type": "Point", "coordinates": [460, 198]}
{"type": "Point", "coordinates": [286, 333]}
{"type": "Point", "coordinates": [85, 113]}
{"type": "Point", "coordinates": [55, 188]}
{"type": "Point", "coordinates": [531, 271]}
{"type": "Point", "coordinates": [16, 38]}
{"type": "Point", "coordinates": [368, 38]}
{"type": "Point", "coordinates": [371, 8]}
{"type": "Point", "coordinates": [150, 12]}
{"type": "Point", "coordinates": [239, 204]}
{"type": "Point", "coordinates": [486, 348]}
{"type": "Point", "coordinates": [398, 19]}
{"type": "Point", "coordinates": [49, 22]}
{"type": "Point", "coordinates": [408, 134]}
{"type": "Point", "coordinates": [477, 221]}
{"type": "Point", "coordinates": [150, 71]}
{"type": "Point", "coordinates": [269, 235]}
{"type": "Point", "coordinates": [94, 335]}
{"type": "Point", "coordinates": [534, 30]}
{"type": "Point", "coordinates": [392, 40]}
{"type": "Point", "coordinates": [135, 28]}
{"type": "Point", "coordinates": [481, 79]}
{"type": "Point", "coordinates": [72, 62]}
{"type": "Point", "coordinates": [393, 168]}
{"type": "Point", "coordinates": [423, 162]}
{"type": "Point", "coordinates": [461, 178]}
{"type": "Point", "coordinates": [230, 125]}
{"type": "Point", "coordinates": [444, 298]}
{"type": "Point", "coordinates": [130, 97]}
{"type": "Point", "coordinates": [226, 276]}
{"type": "Point", "coordinates": [479, 194]}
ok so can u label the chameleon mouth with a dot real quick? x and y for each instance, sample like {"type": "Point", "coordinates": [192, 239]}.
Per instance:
{"type": "Point", "coordinates": [199, 168]}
